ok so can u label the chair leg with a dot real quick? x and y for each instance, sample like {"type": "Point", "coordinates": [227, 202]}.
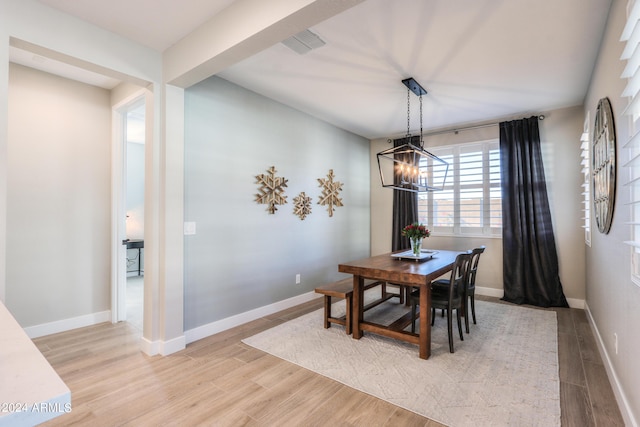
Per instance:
{"type": "Point", "coordinates": [459, 315]}
{"type": "Point", "coordinates": [450, 326]}
{"type": "Point", "coordinates": [466, 315]}
{"type": "Point", "coordinates": [473, 308]}
{"type": "Point", "coordinates": [433, 316]}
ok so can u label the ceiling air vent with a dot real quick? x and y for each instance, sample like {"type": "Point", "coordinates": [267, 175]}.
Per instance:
{"type": "Point", "coordinates": [303, 42]}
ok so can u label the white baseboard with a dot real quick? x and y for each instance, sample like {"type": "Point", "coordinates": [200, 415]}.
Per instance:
{"type": "Point", "coordinates": [213, 328]}
{"type": "Point", "coordinates": [489, 292]}
{"type": "Point", "coordinates": [576, 303]}
{"type": "Point", "coordinates": [150, 348]}
{"type": "Point", "coordinates": [163, 348]}
{"type": "Point", "coordinates": [68, 324]}
{"type": "Point", "coordinates": [499, 293]}
{"type": "Point", "coordinates": [621, 398]}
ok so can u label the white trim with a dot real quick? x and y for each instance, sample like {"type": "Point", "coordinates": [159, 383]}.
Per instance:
{"type": "Point", "coordinates": [490, 292]}
{"type": "Point", "coordinates": [576, 303]}
{"type": "Point", "coordinates": [499, 293]}
{"type": "Point", "coordinates": [172, 346]}
{"type": "Point", "coordinates": [621, 398]}
{"type": "Point", "coordinates": [68, 324]}
{"type": "Point", "coordinates": [213, 328]}
{"type": "Point", "coordinates": [150, 348]}
{"type": "Point", "coordinates": [163, 348]}
{"type": "Point", "coordinates": [118, 203]}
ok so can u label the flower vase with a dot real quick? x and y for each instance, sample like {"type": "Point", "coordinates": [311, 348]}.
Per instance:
{"type": "Point", "coordinates": [416, 245]}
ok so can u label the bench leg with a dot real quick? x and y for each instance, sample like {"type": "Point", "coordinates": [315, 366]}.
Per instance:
{"type": "Point", "coordinates": [327, 311]}
{"type": "Point", "coordinates": [347, 322]}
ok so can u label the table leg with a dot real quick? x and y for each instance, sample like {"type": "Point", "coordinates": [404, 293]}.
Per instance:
{"type": "Point", "coordinates": [358, 304]}
{"type": "Point", "coordinates": [425, 324]}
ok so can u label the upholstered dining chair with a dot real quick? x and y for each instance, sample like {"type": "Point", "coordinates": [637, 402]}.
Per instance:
{"type": "Point", "coordinates": [451, 298]}
{"type": "Point", "coordinates": [443, 284]}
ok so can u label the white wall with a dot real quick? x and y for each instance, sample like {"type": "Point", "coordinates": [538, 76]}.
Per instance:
{"type": "Point", "coordinates": [560, 140]}
{"type": "Point", "coordinates": [61, 36]}
{"type": "Point", "coordinates": [58, 216]}
{"type": "Point", "coordinates": [242, 257]}
{"type": "Point", "coordinates": [612, 298]}
{"type": "Point", "coordinates": [135, 190]}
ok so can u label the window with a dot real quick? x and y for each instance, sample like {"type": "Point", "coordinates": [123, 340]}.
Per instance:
{"type": "Point", "coordinates": [586, 183]}
{"type": "Point", "coordinates": [471, 200]}
{"type": "Point", "coordinates": [631, 162]}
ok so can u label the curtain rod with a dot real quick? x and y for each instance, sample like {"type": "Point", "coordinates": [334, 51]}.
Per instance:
{"type": "Point", "coordinates": [456, 130]}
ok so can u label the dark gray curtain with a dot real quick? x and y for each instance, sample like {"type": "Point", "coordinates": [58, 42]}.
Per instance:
{"type": "Point", "coordinates": [530, 260]}
{"type": "Point", "coordinates": [405, 207]}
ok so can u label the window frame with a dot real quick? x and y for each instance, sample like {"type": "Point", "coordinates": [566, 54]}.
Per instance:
{"type": "Point", "coordinates": [631, 149]}
{"type": "Point", "coordinates": [453, 154]}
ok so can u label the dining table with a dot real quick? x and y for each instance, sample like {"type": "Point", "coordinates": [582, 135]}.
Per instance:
{"type": "Point", "coordinates": [394, 269]}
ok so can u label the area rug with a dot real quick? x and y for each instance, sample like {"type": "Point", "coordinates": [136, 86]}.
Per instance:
{"type": "Point", "coordinates": [504, 373]}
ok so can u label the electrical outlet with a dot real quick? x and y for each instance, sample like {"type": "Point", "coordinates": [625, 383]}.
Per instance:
{"type": "Point", "coordinates": [615, 342]}
{"type": "Point", "coordinates": [297, 279]}
{"type": "Point", "coordinates": [189, 228]}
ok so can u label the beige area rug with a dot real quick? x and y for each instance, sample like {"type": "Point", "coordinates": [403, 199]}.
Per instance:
{"type": "Point", "coordinates": [504, 373]}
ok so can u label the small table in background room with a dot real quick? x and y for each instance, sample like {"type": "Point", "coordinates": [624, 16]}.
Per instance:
{"type": "Point", "coordinates": [139, 245]}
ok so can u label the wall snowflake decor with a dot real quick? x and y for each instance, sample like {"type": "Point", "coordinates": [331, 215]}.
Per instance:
{"type": "Point", "coordinates": [330, 191]}
{"type": "Point", "coordinates": [271, 190]}
{"type": "Point", "coordinates": [302, 205]}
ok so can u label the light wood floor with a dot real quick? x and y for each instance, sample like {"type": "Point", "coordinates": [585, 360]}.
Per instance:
{"type": "Point", "coordinates": [220, 381]}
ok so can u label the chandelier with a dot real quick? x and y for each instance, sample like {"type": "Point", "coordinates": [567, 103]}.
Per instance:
{"type": "Point", "coordinates": [410, 167]}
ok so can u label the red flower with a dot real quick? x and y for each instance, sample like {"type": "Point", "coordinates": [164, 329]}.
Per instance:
{"type": "Point", "coordinates": [416, 230]}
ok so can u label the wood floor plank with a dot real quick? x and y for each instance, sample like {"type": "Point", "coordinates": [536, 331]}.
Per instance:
{"type": "Point", "coordinates": [575, 406]}
{"type": "Point", "coordinates": [565, 321]}
{"type": "Point", "coordinates": [569, 358]}
{"type": "Point", "coordinates": [588, 346]}
{"type": "Point", "coordinates": [293, 411]}
{"type": "Point", "coordinates": [402, 417]}
{"type": "Point", "coordinates": [603, 401]}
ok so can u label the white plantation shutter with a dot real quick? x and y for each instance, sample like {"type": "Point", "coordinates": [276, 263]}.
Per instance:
{"type": "Point", "coordinates": [631, 147]}
{"type": "Point", "coordinates": [471, 200]}
{"type": "Point", "coordinates": [586, 183]}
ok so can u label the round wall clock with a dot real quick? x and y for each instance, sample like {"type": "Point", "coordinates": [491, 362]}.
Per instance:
{"type": "Point", "coordinates": [603, 166]}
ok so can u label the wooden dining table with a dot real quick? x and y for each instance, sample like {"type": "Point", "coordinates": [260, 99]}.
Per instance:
{"type": "Point", "coordinates": [388, 268]}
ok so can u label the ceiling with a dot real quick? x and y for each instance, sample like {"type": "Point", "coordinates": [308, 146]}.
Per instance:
{"type": "Point", "coordinates": [479, 61]}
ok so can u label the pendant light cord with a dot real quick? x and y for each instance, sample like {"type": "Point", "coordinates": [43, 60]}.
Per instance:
{"type": "Point", "coordinates": [421, 140]}
{"type": "Point", "coordinates": [408, 136]}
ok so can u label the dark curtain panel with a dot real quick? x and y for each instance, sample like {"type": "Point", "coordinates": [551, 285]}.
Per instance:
{"type": "Point", "coordinates": [530, 260]}
{"type": "Point", "coordinates": [405, 207]}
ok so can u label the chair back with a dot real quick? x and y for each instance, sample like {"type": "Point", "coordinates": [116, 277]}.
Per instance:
{"type": "Point", "coordinates": [460, 276]}
{"type": "Point", "coordinates": [473, 269]}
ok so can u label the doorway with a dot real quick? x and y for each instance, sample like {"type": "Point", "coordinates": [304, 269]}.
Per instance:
{"type": "Point", "coordinates": [131, 268]}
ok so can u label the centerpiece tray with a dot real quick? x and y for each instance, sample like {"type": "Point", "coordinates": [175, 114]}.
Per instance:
{"type": "Point", "coordinates": [424, 254]}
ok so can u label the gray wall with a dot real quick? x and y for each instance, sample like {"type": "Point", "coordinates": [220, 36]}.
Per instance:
{"type": "Point", "coordinates": [613, 299]}
{"type": "Point", "coordinates": [59, 200]}
{"type": "Point", "coordinates": [242, 257]}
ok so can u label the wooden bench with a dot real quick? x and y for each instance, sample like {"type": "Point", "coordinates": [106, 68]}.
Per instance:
{"type": "Point", "coordinates": [344, 289]}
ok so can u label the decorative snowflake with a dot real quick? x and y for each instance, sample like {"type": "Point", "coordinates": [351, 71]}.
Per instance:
{"type": "Point", "coordinates": [302, 205]}
{"type": "Point", "coordinates": [271, 190]}
{"type": "Point", "coordinates": [330, 191]}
